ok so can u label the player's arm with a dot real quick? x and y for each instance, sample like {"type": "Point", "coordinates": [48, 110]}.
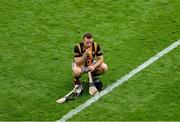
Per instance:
{"type": "Point", "coordinates": [78, 58]}
{"type": "Point", "coordinates": [99, 61]}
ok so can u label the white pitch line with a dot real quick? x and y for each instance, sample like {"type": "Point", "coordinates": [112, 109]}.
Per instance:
{"type": "Point", "coordinates": [120, 81]}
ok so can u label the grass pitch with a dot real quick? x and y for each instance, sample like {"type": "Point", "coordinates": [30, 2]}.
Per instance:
{"type": "Point", "coordinates": [36, 51]}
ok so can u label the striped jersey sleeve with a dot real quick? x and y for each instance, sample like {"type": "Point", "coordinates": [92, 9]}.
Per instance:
{"type": "Point", "coordinates": [98, 52]}
{"type": "Point", "coordinates": [76, 51]}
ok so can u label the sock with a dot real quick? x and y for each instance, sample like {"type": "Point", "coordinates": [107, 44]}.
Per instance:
{"type": "Point", "coordinates": [76, 81]}
{"type": "Point", "coordinates": [94, 74]}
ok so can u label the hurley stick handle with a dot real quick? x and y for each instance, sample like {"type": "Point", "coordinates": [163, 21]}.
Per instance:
{"type": "Point", "coordinates": [90, 77]}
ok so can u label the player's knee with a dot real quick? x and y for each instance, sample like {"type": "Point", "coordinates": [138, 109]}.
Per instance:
{"type": "Point", "coordinates": [104, 67]}
{"type": "Point", "coordinates": [77, 71]}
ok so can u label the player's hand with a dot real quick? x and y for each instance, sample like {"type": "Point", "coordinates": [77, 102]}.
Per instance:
{"type": "Point", "coordinates": [91, 68]}
{"type": "Point", "coordinates": [88, 52]}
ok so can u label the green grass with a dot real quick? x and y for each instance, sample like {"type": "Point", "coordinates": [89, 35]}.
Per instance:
{"type": "Point", "coordinates": [151, 95]}
{"type": "Point", "coordinates": [36, 51]}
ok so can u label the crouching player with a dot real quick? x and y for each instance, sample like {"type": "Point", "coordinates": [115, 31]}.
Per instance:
{"type": "Point", "coordinates": [83, 52]}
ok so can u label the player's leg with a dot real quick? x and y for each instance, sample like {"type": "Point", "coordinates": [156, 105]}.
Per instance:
{"type": "Point", "coordinates": [100, 70]}
{"type": "Point", "coordinates": [77, 72]}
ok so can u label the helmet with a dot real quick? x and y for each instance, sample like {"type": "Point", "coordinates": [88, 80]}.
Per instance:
{"type": "Point", "coordinates": [98, 84]}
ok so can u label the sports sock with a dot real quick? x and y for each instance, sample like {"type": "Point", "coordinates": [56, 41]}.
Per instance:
{"type": "Point", "coordinates": [76, 81]}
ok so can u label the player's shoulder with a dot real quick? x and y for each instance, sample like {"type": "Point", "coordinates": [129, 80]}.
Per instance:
{"type": "Point", "coordinates": [79, 46]}
{"type": "Point", "coordinates": [96, 44]}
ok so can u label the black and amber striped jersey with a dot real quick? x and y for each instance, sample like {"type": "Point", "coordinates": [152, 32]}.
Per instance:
{"type": "Point", "coordinates": [79, 50]}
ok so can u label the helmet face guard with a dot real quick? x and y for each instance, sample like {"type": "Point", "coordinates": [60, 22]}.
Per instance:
{"type": "Point", "coordinates": [98, 84]}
